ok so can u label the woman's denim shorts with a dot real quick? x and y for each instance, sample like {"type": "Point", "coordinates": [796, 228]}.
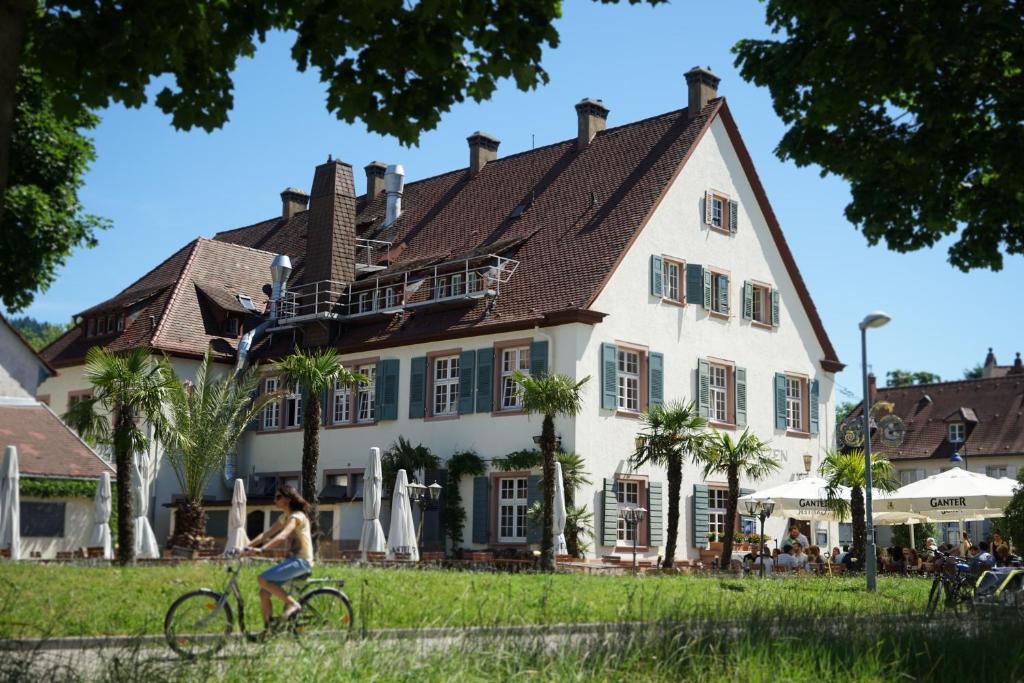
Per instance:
{"type": "Point", "coordinates": [286, 571]}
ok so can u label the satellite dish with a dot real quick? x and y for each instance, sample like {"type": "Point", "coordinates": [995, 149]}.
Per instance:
{"type": "Point", "coordinates": [891, 430]}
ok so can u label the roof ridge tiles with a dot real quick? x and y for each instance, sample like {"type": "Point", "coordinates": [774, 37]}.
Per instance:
{"type": "Point", "coordinates": [1002, 378]}
{"type": "Point", "coordinates": [183, 277]}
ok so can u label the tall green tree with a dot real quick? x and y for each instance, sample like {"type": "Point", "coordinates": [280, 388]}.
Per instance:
{"type": "Point", "coordinates": [38, 333]}
{"type": "Point", "coordinates": [977, 372]}
{"type": "Point", "coordinates": [550, 396]}
{"type": "Point", "coordinates": [1014, 513]}
{"type": "Point", "coordinates": [128, 392]}
{"type": "Point", "coordinates": [904, 378]}
{"type": "Point", "coordinates": [44, 219]}
{"type": "Point", "coordinates": [313, 373]}
{"type": "Point", "coordinates": [847, 468]}
{"type": "Point", "coordinates": [671, 434]}
{"type": "Point", "coordinates": [915, 104]}
{"type": "Point", "coordinates": [747, 456]}
{"type": "Point", "coordinates": [209, 416]}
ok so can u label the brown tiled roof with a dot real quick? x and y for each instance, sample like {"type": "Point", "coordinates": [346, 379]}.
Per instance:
{"type": "Point", "coordinates": [46, 447]}
{"type": "Point", "coordinates": [997, 403]}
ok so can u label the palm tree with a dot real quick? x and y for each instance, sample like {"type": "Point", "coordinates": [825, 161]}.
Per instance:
{"type": "Point", "coordinates": [748, 455]}
{"type": "Point", "coordinates": [209, 416]}
{"type": "Point", "coordinates": [404, 456]}
{"type": "Point", "coordinates": [672, 432]}
{"type": "Point", "coordinates": [314, 373]}
{"type": "Point", "coordinates": [128, 390]}
{"type": "Point", "coordinates": [847, 468]}
{"type": "Point", "coordinates": [551, 396]}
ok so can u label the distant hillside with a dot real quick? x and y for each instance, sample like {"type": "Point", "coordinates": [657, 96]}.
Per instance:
{"type": "Point", "coordinates": [38, 333]}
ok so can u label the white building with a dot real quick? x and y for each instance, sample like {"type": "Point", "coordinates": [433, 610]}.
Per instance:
{"type": "Point", "coordinates": [645, 256]}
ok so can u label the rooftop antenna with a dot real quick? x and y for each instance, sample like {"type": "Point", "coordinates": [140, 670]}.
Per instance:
{"type": "Point", "coordinates": [533, 141]}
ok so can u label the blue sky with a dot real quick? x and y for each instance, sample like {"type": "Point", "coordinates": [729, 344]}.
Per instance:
{"type": "Point", "coordinates": [162, 188]}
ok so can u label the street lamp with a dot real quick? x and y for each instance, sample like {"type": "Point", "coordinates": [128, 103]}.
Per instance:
{"type": "Point", "coordinates": [960, 456]}
{"type": "Point", "coordinates": [871, 320]}
{"type": "Point", "coordinates": [426, 497]}
{"type": "Point", "coordinates": [634, 515]}
{"type": "Point", "coordinates": [762, 509]}
{"type": "Point", "coordinates": [808, 460]}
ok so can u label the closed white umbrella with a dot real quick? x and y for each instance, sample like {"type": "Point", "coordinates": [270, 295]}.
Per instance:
{"type": "Point", "coordinates": [101, 528]}
{"type": "Point", "coordinates": [372, 538]}
{"type": "Point", "coordinates": [237, 538]}
{"type": "Point", "coordinates": [558, 513]}
{"type": "Point", "coordinates": [143, 475]}
{"type": "Point", "coordinates": [402, 535]}
{"type": "Point", "coordinates": [10, 504]}
{"type": "Point", "coordinates": [951, 495]}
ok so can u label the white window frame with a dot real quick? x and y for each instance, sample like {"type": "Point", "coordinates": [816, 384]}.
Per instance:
{"type": "Point", "coordinates": [628, 379]}
{"type": "Point", "coordinates": [512, 508]}
{"type": "Point", "coordinates": [271, 411]}
{"type": "Point", "coordinates": [761, 304]}
{"type": "Point", "coordinates": [512, 358]}
{"type": "Point", "coordinates": [794, 404]}
{"type": "Point", "coordinates": [366, 397]}
{"type": "Point", "coordinates": [445, 399]}
{"type": "Point", "coordinates": [717, 499]}
{"type": "Point", "coordinates": [717, 212]}
{"type": "Point", "coordinates": [442, 288]}
{"type": "Point", "coordinates": [627, 493]}
{"type": "Point", "coordinates": [715, 288]}
{"type": "Point", "coordinates": [456, 284]}
{"type": "Point", "coordinates": [957, 432]}
{"type": "Point", "coordinates": [718, 392]}
{"type": "Point", "coordinates": [391, 297]}
{"type": "Point", "coordinates": [341, 403]}
{"type": "Point", "coordinates": [672, 287]}
{"type": "Point", "coordinates": [997, 471]}
{"type": "Point", "coordinates": [294, 397]}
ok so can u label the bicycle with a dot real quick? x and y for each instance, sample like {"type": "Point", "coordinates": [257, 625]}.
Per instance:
{"type": "Point", "coordinates": [954, 583]}
{"type": "Point", "coordinates": [199, 622]}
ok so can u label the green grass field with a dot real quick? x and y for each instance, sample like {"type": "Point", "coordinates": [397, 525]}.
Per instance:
{"type": "Point", "coordinates": [64, 600]}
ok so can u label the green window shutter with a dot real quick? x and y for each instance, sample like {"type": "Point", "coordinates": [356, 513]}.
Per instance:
{"type": "Point", "coordinates": [723, 294]}
{"type": "Point", "coordinates": [741, 397]}
{"type": "Point", "coordinates": [700, 516]}
{"type": "Point", "coordinates": [484, 379]}
{"type": "Point", "coordinates": [694, 284]}
{"type": "Point", "coordinates": [467, 366]}
{"type": "Point", "coordinates": [654, 515]}
{"type": "Point", "coordinates": [655, 379]}
{"type": "Point", "coordinates": [656, 275]}
{"type": "Point", "coordinates": [325, 405]}
{"type": "Point", "coordinates": [387, 389]}
{"type": "Point", "coordinates": [813, 406]}
{"type": "Point", "coordinates": [780, 401]}
{"type": "Point", "coordinates": [609, 391]}
{"type": "Point", "coordinates": [704, 387]}
{"type": "Point", "coordinates": [417, 386]}
{"type": "Point", "coordinates": [734, 211]}
{"type": "Point", "coordinates": [775, 308]}
{"type": "Point", "coordinates": [481, 510]}
{"type": "Point", "coordinates": [708, 207]}
{"type": "Point", "coordinates": [707, 289]}
{"type": "Point", "coordinates": [748, 301]}
{"type": "Point", "coordinates": [538, 358]}
{"type": "Point", "coordinates": [609, 514]}
{"type": "Point", "coordinates": [533, 497]}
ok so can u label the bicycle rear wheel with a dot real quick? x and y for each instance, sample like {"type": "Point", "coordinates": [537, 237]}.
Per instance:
{"type": "Point", "coordinates": [198, 624]}
{"type": "Point", "coordinates": [963, 598]}
{"type": "Point", "coordinates": [934, 597]}
{"type": "Point", "coordinates": [326, 612]}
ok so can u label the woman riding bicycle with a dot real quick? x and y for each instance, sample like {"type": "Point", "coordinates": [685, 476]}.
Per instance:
{"type": "Point", "coordinates": [291, 527]}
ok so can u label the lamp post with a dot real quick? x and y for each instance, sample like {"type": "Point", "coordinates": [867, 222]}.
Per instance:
{"type": "Point", "coordinates": [762, 509]}
{"type": "Point", "coordinates": [634, 515]}
{"type": "Point", "coordinates": [808, 461]}
{"type": "Point", "coordinates": [426, 497]}
{"type": "Point", "coordinates": [871, 320]}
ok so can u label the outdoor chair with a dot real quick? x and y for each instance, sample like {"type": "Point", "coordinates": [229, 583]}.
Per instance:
{"type": "Point", "coordinates": [94, 552]}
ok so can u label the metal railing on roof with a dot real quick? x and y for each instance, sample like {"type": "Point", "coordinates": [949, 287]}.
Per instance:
{"type": "Point", "coordinates": [372, 255]}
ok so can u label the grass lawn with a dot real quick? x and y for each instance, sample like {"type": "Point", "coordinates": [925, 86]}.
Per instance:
{"type": "Point", "coordinates": [64, 600]}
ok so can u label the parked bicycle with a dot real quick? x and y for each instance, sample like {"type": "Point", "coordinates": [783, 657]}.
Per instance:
{"type": "Point", "coordinates": [953, 584]}
{"type": "Point", "coordinates": [199, 623]}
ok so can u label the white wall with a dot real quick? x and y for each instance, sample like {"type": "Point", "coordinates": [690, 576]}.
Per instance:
{"type": "Point", "coordinates": [19, 367]}
{"type": "Point", "coordinates": [79, 518]}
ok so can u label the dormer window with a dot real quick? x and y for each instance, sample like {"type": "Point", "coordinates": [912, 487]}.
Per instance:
{"type": "Point", "coordinates": [232, 327]}
{"type": "Point", "coordinates": [957, 432]}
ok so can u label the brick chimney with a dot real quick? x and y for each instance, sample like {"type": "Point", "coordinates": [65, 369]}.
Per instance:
{"type": "Point", "coordinates": [872, 389]}
{"type": "Point", "coordinates": [702, 86]}
{"type": "Point", "coordinates": [374, 178]}
{"type": "Point", "coordinates": [331, 234]}
{"type": "Point", "coordinates": [293, 200]}
{"type": "Point", "coordinates": [482, 148]}
{"type": "Point", "coordinates": [591, 119]}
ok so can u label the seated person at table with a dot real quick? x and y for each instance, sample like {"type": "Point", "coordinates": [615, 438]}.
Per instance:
{"type": "Point", "coordinates": [796, 537]}
{"type": "Point", "coordinates": [785, 558]}
{"type": "Point", "coordinates": [799, 556]}
{"type": "Point", "coordinates": [912, 563]}
{"type": "Point", "coordinates": [836, 557]}
{"type": "Point", "coordinates": [997, 540]}
{"type": "Point", "coordinates": [767, 561]}
{"type": "Point", "coordinates": [981, 558]}
{"type": "Point", "coordinates": [850, 561]}
{"type": "Point", "coordinates": [814, 556]}
{"type": "Point", "coordinates": [929, 547]}
{"type": "Point", "coordinates": [895, 563]}
{"type": "Point", "coordinates": [1003, 556]}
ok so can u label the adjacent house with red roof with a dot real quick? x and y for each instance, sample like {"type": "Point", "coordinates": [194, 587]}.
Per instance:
{"type": "Point", "coordinates": [645, 256]}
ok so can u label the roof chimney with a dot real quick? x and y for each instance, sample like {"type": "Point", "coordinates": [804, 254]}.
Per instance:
{"type": "Point", "coordinates": [592, 118]}
{"type": "Point", "coordinates": [1018, 366]}
{"type": "Point", "coordinates": [702, 86]}
{"type": "Point", "coordinates": [394, 185]}
{"type": "Point", "coordinates": [872, 389]}
{"type": "Point", "coordinates": [331, 233]}
{"type": "Point", "coordinates": [482, 148]}
{"type": "Point", "coordinates": [375, 171]}
{"type": "Point", "coordinates": [293, 200]}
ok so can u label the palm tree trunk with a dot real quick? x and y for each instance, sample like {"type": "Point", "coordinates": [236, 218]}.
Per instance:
{"type": "Point", "coordinates": [189, 524]}
{"type": "Point", "coordinates": [547, 444]}
{"type": "Point", "coordinates": [572, 541]}
{"type": "Point", "coordinates": [311, 463]}
{"type": "Point", "coordinates": [123, 462]}
{"type": "Point", "coordinates": [859, 526]}
{"type": "Point", "coordinates": [733, 477]}
{"type": "Point", "coordinates": [675, 485]}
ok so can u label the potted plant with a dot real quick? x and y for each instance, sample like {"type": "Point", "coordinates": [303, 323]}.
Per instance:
{"type": "Point", "coordinates": [714, 541]}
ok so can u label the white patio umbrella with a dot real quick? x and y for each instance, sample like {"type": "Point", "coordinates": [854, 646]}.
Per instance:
{"type": "Point", "coordinates": [558, 513]}
{"type": "Point", "coordinates": [237, 538]}
{"type": "Point", "coordinates": [101, 527]}
{"type": "Point", "coordinates": [144, 470]}
{"type": "Point", "coordinates": [10, 505]}
{"type": "Point", "coordinates": [804, 499]}
{"type": "Point", "coordinates": [372, 538]}
{"type": "Point", "coordinates": [402, 535]}
{"type": "Point", "coordinates": [953, 495]}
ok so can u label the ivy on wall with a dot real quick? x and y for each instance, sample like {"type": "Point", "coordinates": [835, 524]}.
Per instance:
{"type": "Point", "coordinates": [58, 488]}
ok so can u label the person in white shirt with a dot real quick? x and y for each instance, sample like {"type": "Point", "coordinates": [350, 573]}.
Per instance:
{"type": "Point", "coordinates": [799, 557]}
{"type": "Point", "coordinates": [785, 560]}
{"type": "Point", "coordinates": [766, 560]}
{"type": "Point", "coordinates": [796, 537]}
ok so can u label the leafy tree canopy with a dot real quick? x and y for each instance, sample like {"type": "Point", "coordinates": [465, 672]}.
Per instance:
{"type": "Point", "coordinates": [903, 378]}
{"type": "Point", "coordinates": [974, 373]}
{"type": "Point", "coordinates": [38, 333]}
{"type": "Point", "coordinates": [916, 104]}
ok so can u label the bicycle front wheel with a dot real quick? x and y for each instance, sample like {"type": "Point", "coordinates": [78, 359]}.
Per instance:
{"type": "Point", "coordinates": [963, 599]}
{"type": "Point", "coordinates": [198, 624]}
{"type": "Point", "coordinates": [325, 612]}
{"type": "Point", "coordinates": [934, 597]}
